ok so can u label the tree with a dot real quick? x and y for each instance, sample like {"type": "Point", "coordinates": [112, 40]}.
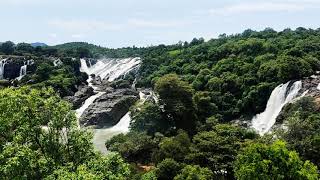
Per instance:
{"type": "Point", "coordinates": [43, 72]}
{"type": "Point", "coordinates": [176, 97]}
{"type": "Point", "coordinates": [39, 137]}
{"type": "Point", "coordinates": [260, 161]}
{"type": "Point", "coordinates": [83, 52]}
{"type": "Point", "coordinates": [302, 119]}
{"type": "Point", "coordinates": [217, 149]}
{"type": "Point", "coordinates": [176, 147]}
{"type": "Point", "coordinates": [204, 106]}
{"type": "Point", "coordinates": [24, 48]}
{"type": "Point", "coordinates": [167, 169]}
{"type": "Point", "coordinates": [7, 47]}
{"type": "Point", "coordinates": [111, 167]}
{"type": "Point", "coordinates": [147, 117]}
{"type": "Point", "coordinates": [133, 147]}
{"type": "Point", "coordinates": [194, 172]}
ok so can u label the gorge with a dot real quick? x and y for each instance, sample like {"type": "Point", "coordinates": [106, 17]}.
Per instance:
{"type": "Point", "coordinates": [106, 70]}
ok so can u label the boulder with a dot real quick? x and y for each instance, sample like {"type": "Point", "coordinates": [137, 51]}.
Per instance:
{"type": "Point", "coordinates": [108, 109]}
{"type": "Point", "coordinates": [79, 97]}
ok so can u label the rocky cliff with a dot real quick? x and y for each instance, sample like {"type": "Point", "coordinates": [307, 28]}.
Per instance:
{"type": "Point", "coordinates": [13, 65]}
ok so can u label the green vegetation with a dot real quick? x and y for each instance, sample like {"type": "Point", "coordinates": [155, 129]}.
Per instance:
{"type": "Point", "coordinates": [40, 140]}
{"type": "Point", "coordinates": [260, 161]}
{"type": "Point", "coordinates": [303, 135]}
{"type": "Point", "coordinates": [236, 73]}
{"type": "Point", "coordinates": [202, 86]}
{"type": "Point", "coordinates": [187, 134]}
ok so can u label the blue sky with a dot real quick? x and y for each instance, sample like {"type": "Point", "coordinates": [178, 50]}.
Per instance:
{"type": "Point", "coordinates": [119, 23]}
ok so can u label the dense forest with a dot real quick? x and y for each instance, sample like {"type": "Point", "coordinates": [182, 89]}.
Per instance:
{"type": "Point", "coordinates": [189, 133]}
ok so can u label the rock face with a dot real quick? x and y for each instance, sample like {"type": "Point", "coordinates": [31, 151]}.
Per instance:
{"type": "Point", "coordinates": [311, 86]}
{"type": "Point", "coordinates": [108, 109]}
{"type": "Point", "coordinates": [12, 70]}
{"type": "Point", "coordinates": [79, 97]}
{"type": "Point", "coordinates": [13, 65]}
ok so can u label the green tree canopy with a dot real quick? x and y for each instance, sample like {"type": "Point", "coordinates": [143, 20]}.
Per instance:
{"type": "Point", "coordinates": [39, 138]}
{"type": "Point", "coordinates": [176, 97]}
{"type": "Point", "coordinates": [261, 161]}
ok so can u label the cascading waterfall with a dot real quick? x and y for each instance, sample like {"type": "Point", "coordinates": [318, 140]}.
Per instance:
{"type": "Point", "coordinates": [23, 71]}
{"type": "Point", "coordinates": [109, 69]}
{"type": "Point", "coordinates": [280, 96]}
{"type": "Point", "coordinates": [2, 65]}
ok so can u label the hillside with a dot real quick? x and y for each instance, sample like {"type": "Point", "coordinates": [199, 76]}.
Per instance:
{"type": "Point", "coordinates": [181, 111]}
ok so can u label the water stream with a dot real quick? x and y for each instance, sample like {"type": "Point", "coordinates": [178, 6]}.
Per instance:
{"type": "Point", "coordinates": [280, 96]}
{"type": "Point", "coordinates": [109, 69]}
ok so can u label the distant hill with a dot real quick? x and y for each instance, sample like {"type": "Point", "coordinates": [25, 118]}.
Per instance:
{"type": "Point", "coordinates": [37, 44]}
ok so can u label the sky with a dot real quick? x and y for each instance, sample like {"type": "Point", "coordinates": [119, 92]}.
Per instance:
{"type": "Point", "coordinates": [122, 23]}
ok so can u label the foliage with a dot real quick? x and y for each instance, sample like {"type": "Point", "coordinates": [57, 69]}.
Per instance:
{"type": "Point", "coordinates": [194, 172]}
{"type": "Point", "coordinates": [176, 97]}
{"type": "Point", "coordinates": [302, 119]}
{"type": "Point", "coordinates": [147, 117]}
{"type": "Point", "coordinates": [39, 138]}
{"type": "Point", "coordinates": [133, 147]}
{"type": "Point", "coordinates": [167, 169]}
{"type": "Point", "coordinates": [7, 47]}
{"type": "Point", "coordinates": [260, 161]}
{"type": "Point", "coordinates": [176, 147]}
{"type": "Point", "coordinates": [63, 79]}
{"type": "Point", "coordinates": [218, 147]}
{"type": "Point", "coordinates": [235, 74]}
{"type": "Point", "coordinates": [109, 167]}
{"type": "Point", "coordinates": [151, 175]}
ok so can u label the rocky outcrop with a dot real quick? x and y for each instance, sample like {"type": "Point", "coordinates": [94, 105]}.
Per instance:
{"type": "Point", "coordinates": [79, 97]}
{"type": "Point", "coordinates": [108, 109]}
{"type": "Point", "coordinates": [13, 65]}
{"type": "Point", "coordinates": [311, 86]}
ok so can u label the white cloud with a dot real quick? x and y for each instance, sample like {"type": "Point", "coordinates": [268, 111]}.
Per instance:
{"type": "Point", "coordinates": [271, 6]}
{"type": "Point", "coordinates": [80, 27]}
{"type": "Point", "coordinates": [84, 25]}
{"type": "Point", "coordinates": [53, 35]}
{"type": "Point", "coordinates": [156, 23]}
{"type": "Point", "coordinates": [77, 36]}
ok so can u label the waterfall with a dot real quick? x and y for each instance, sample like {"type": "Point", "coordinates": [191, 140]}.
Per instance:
{"type": "Point", "coordinates": [2, 64]}
{"type": "Point", "coordinates": [109, 69]}
{"type": "Point", "coordinates": [23, 71]}
{"type": "Point", "coordinates": [280, 96]}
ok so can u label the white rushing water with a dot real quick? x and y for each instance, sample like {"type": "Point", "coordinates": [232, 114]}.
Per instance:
{"type": "Point", "coordinates": [109, 69]}
{"type": "Point", "coordinates": [2, 64]}
{"type": "Point", "coordinates": [280, 96]}
{"type": "Point", "coordinates": [23, 72]}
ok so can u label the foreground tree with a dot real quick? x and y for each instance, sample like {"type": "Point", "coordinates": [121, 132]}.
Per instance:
{"type": "Point", "coordinates": [217, 148]}
{"type": "Point", "coordinates": [260, 161]}
{"type": "Point", "coordinates": [39, 139]}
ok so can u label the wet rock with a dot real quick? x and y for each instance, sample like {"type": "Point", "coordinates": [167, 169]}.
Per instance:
{"type": "Point", "coordinates": [78, 99]}
{"type": "Point", "coordinates": [108, 109]}
{"type": "Point", "coordinates": [310, 86]}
